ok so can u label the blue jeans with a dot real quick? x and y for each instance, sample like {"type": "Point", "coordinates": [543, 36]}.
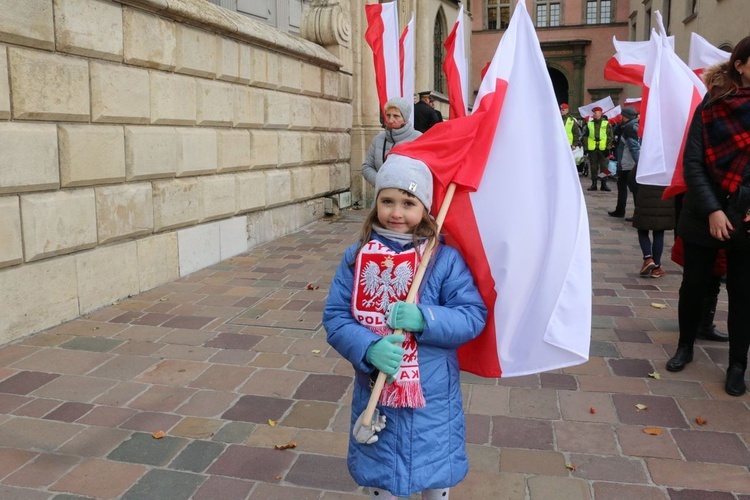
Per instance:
{"type": "Point", "coordinates": [654, 249]}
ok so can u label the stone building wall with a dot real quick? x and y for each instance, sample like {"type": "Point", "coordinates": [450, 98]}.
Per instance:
{"type": "Point", "coordinates": [142, 140]}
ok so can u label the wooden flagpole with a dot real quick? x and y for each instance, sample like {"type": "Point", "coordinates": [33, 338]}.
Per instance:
{"type": "Point", "coordinates": [411, 296]}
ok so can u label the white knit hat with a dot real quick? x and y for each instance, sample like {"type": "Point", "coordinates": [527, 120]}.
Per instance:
{"type": "Point", "coordinates": [402, 172]}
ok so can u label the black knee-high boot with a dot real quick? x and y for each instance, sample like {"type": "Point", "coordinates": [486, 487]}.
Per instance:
{"type": "Point", "coordinates": [706, 328]}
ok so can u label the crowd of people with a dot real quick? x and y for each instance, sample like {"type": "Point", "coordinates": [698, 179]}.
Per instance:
{"type": "Point", "coordinates": [369, 304]}
{"type": "Point", "coordinates": [711, 219]}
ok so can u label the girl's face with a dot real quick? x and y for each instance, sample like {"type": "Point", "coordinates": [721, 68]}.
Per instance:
{"type": "Point", "coordinates": [398, 211]}
{"type": "Point", "coordinates": [394, 119]}
{"type": "Point", "coordinates": [744, 71]}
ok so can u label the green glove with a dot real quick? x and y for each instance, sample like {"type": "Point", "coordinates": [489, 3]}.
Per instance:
{"type": "Point", "coordinates": [386, 354]}
{"type": "Point", "coordinates": [406, 317]}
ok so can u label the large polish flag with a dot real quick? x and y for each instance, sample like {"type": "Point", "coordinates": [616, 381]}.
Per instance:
{"type": "Point", "coordinates": [628, 64]}
{"type": "Point", "coordinates": [383, 38]}
{"type": "Point", "coordinates": [456, 68]}
{"type": "Point", "coordinates": [406, 60]}
{"type": "Point", "coordinates": [527, 243]}
{"type": "Point", "coordinates": [674, 92]}
{"type": "Point", "coordinates": [703, 54]}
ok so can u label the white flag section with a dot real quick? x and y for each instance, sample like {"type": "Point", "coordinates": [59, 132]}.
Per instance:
{"type": "Point", "coordinates": [406, 44]}
{"type": "Point", "coordinates": [605, 103]}
{"type": "Point", "coordinates": [703, 54]}
{"type": "Point", "coordinates": [390, 50]}
{"type": "Point", "coordinates": [535, 235]}
{"type": "Point", "coordinates": [673, 93]}
{"type": "Point", "coordinates": [614, 114]}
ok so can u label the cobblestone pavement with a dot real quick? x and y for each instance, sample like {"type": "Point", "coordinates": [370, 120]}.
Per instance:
{"type": "Point", "coordinates": [213, 358]}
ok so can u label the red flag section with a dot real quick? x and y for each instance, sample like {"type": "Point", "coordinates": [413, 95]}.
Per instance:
{"type": "Point", "coordinates": [628, 64]}
{"type": "Point", "coordinates": [382, 37]}
{"type": "Point", "coordinates": [674, 92]}
{"type": "Point", "coordinates": [406, 64]}
{"type": "Point", "coordinates": [456, 68]}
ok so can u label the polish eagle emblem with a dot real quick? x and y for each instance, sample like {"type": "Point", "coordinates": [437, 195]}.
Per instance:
{"type": "Point", "coordinates": [386, 286]}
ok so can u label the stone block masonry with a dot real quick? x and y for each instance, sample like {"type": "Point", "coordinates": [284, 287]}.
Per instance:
{"type": "Point", "coordinates": [143, 140]}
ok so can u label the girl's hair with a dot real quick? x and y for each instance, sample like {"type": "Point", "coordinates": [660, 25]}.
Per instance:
{"type": "Point", "coordinates": [427, 227]}
{"type": "Point", "coordinates": [723, 79]}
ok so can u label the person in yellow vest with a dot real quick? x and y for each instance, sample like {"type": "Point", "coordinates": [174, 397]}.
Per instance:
{"type": "Point", "coordinates": [572, 129]}
{"type": "Point", "coordinates": [597, 139]}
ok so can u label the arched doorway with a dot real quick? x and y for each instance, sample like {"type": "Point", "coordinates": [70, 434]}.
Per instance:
{"type": "Point", "coordinates": [560, 84]}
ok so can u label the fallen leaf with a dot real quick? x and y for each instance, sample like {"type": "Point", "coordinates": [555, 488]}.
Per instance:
{"type": "Point", "coordinates": [310, 286]}
{"type": "Point", "coordinates": [278, 478]}
{"type": "Point", "coordinates": [652, 431]}
{"type": "Point", "coordinates": [655, 375]}
{"type": "Point", "coordinates": [316, 351]}
{"type": "Point", "coordinates": [290, 444]}
{"type": "Point", "coordinates": [272, 423]}
{"type": "Point", "coordinates": [163, 299]}
{"type": "Point", "coordinates": [592, 410]}
{"type": "Point", "coordinates": [570, 467]}
{"type": "Point", "coordinates": [659, 305]}
{"type": "Point", "coordinates": [701, 421]}
{"type": "Point", "coordinates": [158, 434]}
{"type": "Point", "coordinates": [95, 328]}
{"type": "Point", "coordinates": [640, 407]}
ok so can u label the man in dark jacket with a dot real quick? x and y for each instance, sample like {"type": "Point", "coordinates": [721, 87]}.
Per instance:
{"type": "Point", "coordinates": [628, 151]}
{"type": "Point", "coordinates": [425, 116]}
{"type": "Point", "coordinates": [597, 139]}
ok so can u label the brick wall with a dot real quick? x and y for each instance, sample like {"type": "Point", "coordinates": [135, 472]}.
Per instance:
{"type": "Point", "coordinates": [142, 140]}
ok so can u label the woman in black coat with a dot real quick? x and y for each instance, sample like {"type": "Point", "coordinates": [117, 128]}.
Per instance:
{"type": "Point", "coordinates": [716, 211]}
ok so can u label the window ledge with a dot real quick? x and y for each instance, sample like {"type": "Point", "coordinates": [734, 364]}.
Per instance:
{"type": "Point", "coordinates": [690, 18]}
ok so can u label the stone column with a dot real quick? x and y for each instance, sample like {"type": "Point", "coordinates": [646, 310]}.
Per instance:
{"type": "Point", "coordinates": [334, 25]}
{"type": "Point", "coordinates": [579, 63]}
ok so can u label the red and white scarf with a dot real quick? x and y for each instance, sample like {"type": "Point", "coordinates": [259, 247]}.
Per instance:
{"type": "Point", "coordinates": [383, 277]}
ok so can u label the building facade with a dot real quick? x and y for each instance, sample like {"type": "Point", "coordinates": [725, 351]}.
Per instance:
{"type": "Point", "coordinates": [722, 22]}
{"type": "Point", "coordinates": [576, 39]}
{"type": "Point", "coordinates": [144, 140]}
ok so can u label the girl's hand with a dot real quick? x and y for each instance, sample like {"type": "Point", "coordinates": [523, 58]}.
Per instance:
{"type": "Point", "coordinates": [405, 316]}
{"type": "Point", "coordinates": [386, 354]}
{"type": "Point", "coordinates": [719, 225]}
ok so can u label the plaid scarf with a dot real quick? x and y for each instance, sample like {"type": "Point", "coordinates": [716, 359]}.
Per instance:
{"type": "Point", "coordinates": [726, 138]}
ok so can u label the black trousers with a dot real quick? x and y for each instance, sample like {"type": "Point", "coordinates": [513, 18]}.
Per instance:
{"type": "Point", "coordinates": [697, 278]}
{"type": "Point", "coordinates": [623, 183]}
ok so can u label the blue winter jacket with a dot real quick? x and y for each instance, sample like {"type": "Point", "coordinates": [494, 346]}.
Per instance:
{"type": "Point", "coordinates": [425, 447]}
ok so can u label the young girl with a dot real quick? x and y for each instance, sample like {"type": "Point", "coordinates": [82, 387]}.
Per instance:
{"type": "Point", "coordinates": [420, 445]}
